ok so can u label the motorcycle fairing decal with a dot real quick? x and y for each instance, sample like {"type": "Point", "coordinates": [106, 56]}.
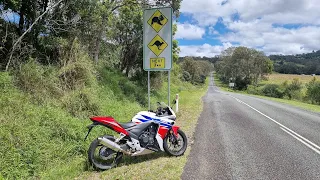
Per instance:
{"type": "Point", "coordinates": [147, 117]}
{"type": "Point", "coordinates": [111, 123]}
{"type": "Point", "coordinates": [162, 123]}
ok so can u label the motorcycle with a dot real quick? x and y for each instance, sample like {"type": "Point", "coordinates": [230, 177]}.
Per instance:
{"type": "Point", "coordinates": [147, 132]}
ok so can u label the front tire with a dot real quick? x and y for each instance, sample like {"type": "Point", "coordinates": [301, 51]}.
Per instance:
{"type": "Point", "coordinates": [175, 146]}
{"type": "Point", "coordinates": [102, 157]}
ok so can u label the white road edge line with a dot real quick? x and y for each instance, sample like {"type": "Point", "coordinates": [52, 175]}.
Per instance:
{"type": "Point", "coordinates": [284, 127]}
{"type": "Point", "coordinates": [308, 145]}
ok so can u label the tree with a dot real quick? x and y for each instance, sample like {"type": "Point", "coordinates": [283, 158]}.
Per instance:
{"type": "Point", "coordinates": [111, 29]}
{"type": "Point", "coordinates": [196, 71]}
{"type": "Point", "coordinates": [244, 65]}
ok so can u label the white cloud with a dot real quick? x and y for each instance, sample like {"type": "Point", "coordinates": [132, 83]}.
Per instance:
{"type": "Point", "coordinates": [276, 40]}
{"type": "Point", "coordinates": [206, 11]}
{"type": "Point", "coordinates": [254, 26]}
{"type": "Point", "coordinates": [203, 50]}
{"type": "Point", "coordinates": [212, 31]}
{"type": "Point", "coordinates": [189, 31]}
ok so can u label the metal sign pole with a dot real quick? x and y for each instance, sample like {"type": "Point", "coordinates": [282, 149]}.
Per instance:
{"type": "Point", "coordinates": [169, 88]}
{"type": "Point", "coordinates": [149, 89]}
{"type": "Point", "coordinates": [157, 42]}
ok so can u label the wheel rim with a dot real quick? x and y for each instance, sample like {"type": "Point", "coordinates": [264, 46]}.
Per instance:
{"type": "Point", "coordinates": [103, 157]}
{"type": "Point", "coordinates": [177, 146]}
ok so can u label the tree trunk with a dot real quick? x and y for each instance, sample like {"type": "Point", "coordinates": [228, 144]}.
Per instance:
{"type": "Point", "coordinates": [29, 29]}
{"type": "Point", "coordinates": [21, 19]}
{"type": "Point", "coordinates": [97, 48]}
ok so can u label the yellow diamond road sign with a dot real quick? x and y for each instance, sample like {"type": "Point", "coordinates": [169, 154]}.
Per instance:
{"type": "Point", "coordinates": [157, 20]}
{"type": "Point", "coordinates": [157, 39]}
{"type": "Point", "coordinates": [157, 45]}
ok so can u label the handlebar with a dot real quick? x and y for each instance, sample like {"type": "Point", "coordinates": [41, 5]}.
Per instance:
{"type": "Point", "coordinates": [162, 109]}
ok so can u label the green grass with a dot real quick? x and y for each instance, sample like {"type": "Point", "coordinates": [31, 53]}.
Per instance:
{"type": "Point", "coordinates": [34, 138]}
{"type": "Point", "coordinates": [310, 107]}
{"type": "Point", "coordinates": [44, 140]}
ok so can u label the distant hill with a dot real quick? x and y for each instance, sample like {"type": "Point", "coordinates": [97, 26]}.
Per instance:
{"type": "Point", "coordinates": [308, 63]}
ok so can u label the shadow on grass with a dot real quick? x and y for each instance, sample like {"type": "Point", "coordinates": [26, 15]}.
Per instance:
{"type": "Point", "coordinates": [128, 160]}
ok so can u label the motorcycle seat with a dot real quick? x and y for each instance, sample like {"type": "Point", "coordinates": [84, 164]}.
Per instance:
{"type": "Point", "coordinates": [127, 125]}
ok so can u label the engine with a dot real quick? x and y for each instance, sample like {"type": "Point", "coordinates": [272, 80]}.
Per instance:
{"type": "Point", "coordinates": [148, 136]}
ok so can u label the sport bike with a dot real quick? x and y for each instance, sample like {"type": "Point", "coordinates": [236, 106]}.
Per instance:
{"type": "Point", "coordinates": [149, 131]}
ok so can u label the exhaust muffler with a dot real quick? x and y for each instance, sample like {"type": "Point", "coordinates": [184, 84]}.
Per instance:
{"type": "Point", "coordinates": [112, 145]}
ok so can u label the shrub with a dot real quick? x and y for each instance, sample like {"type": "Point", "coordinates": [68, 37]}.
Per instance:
{"type": "Point", "coordinates": [313, 91]}
{"type": "Point", "coordinates": [77, 70]}
{"type": "Point", "coordinates": [293, 90]}
{"type": "Point", "coordinates": [272, 90]}
{"type": "Point", "coordinates": [241, 84]}
{"type": "Point", "coordinates": [186, 76]}
{"type": "Point", "coordinates": [132, 91]}
{"type": "Point", "coordinates": [82, 103]}
{"type": "Point", "coordinates": [39, 81]}
{"type": "Point", "coordinates": [253, 90]}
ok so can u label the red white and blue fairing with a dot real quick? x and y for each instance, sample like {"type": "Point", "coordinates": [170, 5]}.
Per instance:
{"type": "Point", "coordinates": [166, 122]}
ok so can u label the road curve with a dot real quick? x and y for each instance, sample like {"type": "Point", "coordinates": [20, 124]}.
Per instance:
{"type": "Point", "coordinates": [244, 137]}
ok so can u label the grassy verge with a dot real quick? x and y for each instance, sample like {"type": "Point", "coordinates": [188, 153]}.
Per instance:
{"type": "Point", "coordinates": [310, 107]}
{"type": "Point", "coordinates": [41, 136]}
{"type": "Point", "coordinates": [159, 165]}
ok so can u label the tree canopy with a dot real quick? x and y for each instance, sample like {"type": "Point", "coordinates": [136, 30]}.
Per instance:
{"type": "Point", "coordinates": [243, 66]}
{"type": "Point", "coordinates": [108, 30]}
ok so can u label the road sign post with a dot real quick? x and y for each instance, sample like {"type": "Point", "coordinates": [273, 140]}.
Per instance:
{"type": "Point", "coordinates": [157, 42]}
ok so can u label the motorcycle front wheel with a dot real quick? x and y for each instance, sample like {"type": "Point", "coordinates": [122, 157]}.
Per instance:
{"type": "Point", "coordinates": [102, 157]}
{"type": "Point", "coordinates": [175, 146]}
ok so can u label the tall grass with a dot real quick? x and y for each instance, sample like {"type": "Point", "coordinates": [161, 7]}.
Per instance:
{"type": "Point", "coordinates": [43, 123]}
{"type": "Point", "coordinates": [44, 111]}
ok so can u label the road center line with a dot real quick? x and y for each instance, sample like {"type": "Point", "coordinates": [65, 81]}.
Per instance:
{"type": "Point", "coordinates": [308, 145]}
{"type": "Point", "coordinates": [305, 141]}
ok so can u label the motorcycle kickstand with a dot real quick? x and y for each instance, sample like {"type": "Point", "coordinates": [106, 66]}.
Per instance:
{"type": "Point", "coordinates": [118, 158]}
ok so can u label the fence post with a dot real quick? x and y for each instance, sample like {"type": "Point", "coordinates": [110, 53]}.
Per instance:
{"type": "Point", "coordinates": [177, 102]}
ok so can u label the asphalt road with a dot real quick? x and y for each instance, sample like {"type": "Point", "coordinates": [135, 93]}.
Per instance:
{"type": "Point", "coordinates": [243, 137]}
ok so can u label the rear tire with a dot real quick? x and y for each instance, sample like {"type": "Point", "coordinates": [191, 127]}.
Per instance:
{"type": "Point", "coordinates": [175, 148]}
{"type": "Point", "coordinates": [102, 157]}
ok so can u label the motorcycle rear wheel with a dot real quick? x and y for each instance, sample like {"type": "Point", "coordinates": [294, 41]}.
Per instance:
{"type": "Point", "coordinates": [102, 157]}
{"type": "Point", "coordinates": [175, 148]}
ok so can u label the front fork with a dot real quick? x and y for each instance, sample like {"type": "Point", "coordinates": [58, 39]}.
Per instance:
{"type": "Point", "coordinates": [173, 137]}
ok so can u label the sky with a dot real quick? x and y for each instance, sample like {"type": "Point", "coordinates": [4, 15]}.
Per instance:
{"type": "Point", "coordinates": [207, 27]}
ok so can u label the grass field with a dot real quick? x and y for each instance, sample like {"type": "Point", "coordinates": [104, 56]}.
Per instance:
{"type": "Point", "coordinates": [280, 78]}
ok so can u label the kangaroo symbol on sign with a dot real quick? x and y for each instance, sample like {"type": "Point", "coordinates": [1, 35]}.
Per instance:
{"type": "Point", "coordinates": [158, 44]}
{"type": "Point", "coordinates": [157, 20]}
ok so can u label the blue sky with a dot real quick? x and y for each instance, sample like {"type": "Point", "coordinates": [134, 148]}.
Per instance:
{"type": "Point", "coordinates": [207, 27]}
{"type": "Point", "coordinates": [208, 38]}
